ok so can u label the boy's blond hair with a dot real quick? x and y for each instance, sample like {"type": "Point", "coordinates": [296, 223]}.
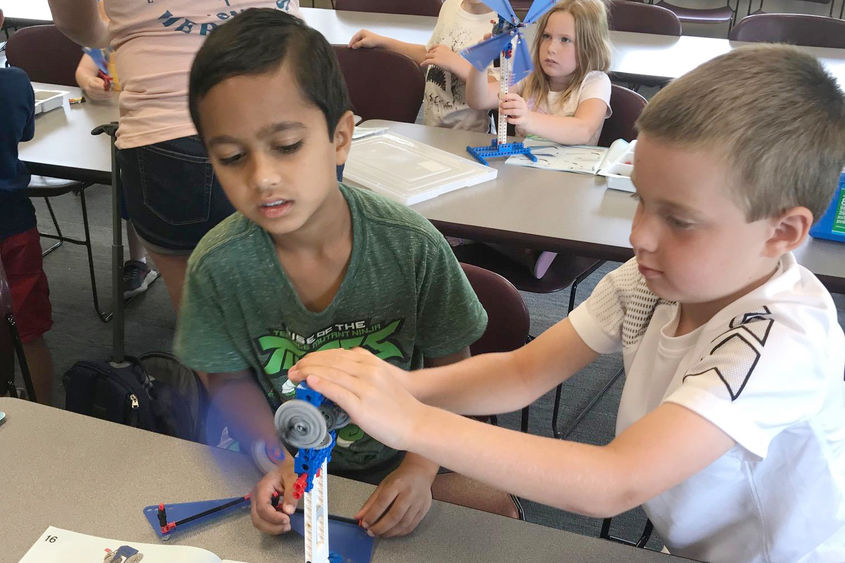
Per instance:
{"type": "Point", "coordinates": [772, 113]}
{"type": "Point", "coordinates": [592, 48]}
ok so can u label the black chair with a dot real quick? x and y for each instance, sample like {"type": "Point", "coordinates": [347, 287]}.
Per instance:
{"type": "Point", "coordinates": [365, 72]}
{"type": "Point", "coordinates": [410, 7]}
{"type": "Point", "coordinates": [507, 329]}
{"type": "Point", "coordinates": [798, 29]}
{"type": "Point", "coordinates": [624, 15]}
{"type": "Point", "coordinates": [723, 14]}
{"type": "Point", "coordinates": [45, 54]}
{"type": "Point", "coordinates": [567, 269]}
{"type": "Point", "coordinates": [48, 56]}
{"type": "Point", "coordinates": [759, 10]}
{"type": "Point", "coordinates": [10, 344]}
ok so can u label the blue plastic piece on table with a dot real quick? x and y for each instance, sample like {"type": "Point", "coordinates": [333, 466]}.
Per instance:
{"type": "Point", "coordinates": [495, 150]}
{"type": "Point", "coordinates": [832, 224]}
{"type": "Point", "coordinates": [348, 541]}
{"type": "Point", "coordinates": [181, 510]}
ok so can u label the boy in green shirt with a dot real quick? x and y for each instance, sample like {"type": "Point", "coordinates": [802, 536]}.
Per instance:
{"type": "Point", "coordinates": [307, 264]}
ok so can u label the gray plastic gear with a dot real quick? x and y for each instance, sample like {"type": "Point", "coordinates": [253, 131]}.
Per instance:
{"type": "Point", "coordinates": [301, 424]}
{"type": "Point", "coordinates": [334, 415]}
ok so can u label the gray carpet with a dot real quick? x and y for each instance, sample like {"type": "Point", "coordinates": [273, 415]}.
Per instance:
{"type": "Point", "coordinates": [78, 334]}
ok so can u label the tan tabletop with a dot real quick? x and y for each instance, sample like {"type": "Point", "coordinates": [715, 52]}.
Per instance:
{"type": "Point", "coordinates": [95, 477]}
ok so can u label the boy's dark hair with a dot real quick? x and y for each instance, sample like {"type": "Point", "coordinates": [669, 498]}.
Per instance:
{"type": "Point", "coordinates": [775, 116]}
{"type": "Point", "coordinates": [259, 40]}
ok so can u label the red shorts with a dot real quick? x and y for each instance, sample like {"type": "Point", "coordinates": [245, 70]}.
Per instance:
{"type": "Point", "coordinates": [21, 255]}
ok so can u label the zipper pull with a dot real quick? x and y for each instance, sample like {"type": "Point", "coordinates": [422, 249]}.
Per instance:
{"type": "Point", "coordinates": [133, 401]}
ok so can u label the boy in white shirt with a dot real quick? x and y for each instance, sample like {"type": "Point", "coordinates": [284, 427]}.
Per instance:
{"type": "Point", "coordinates": [731, 426]}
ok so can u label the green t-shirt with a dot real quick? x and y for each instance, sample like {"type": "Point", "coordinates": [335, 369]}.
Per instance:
{"type": "Point", "coordinates": [404, 297]}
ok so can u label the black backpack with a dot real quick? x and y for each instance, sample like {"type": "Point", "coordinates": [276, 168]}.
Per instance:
{"type": "Point", "coordinates": [153, 392]}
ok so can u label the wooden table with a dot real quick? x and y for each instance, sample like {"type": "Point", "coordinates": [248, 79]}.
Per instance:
{"type": "Point", "coordinates": [95, 477]}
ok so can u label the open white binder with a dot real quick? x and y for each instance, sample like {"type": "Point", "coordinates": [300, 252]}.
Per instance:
{"type": "Point", "coordinates": [409, 171]}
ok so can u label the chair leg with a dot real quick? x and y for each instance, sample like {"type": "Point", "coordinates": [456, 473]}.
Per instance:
{"type": "Point", "coordinates": [59, 236]}
{"type": "Point", "coordinates": [27, 377]}
{"type": "Point", "coordinates": [105, 317]}
{"type": "Point", "coordinates": [562, 435]}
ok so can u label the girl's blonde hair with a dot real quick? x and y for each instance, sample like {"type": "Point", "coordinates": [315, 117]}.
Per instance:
{"type": "Point", "coordinates": [592, 48]}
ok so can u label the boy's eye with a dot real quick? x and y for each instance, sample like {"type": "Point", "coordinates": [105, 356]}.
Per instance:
{"type": "Point", "coordinates": [230, 160]}
{"type": "Point", "coordinates": [635, 196]}
{"type": "Point", "coordinates": [677, 223]}
{"type": "Point", "coordinates": [287, 149]}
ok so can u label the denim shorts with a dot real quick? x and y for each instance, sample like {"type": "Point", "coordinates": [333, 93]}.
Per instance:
{"type": "Point", "coordinates": [172, 195]}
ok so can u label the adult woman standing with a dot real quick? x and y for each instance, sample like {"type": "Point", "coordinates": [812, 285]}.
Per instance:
{"type": "Point", "coordinates": [172, 195]}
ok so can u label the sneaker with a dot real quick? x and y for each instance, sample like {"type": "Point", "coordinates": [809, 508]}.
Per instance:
{"type": "Point", "coordinates": [137, 277]}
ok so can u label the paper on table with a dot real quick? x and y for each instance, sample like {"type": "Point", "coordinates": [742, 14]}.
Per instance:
{"type": "Point", "coordinates": [577, 158]}
{"type": "Point", "coordinates": [64, 546]}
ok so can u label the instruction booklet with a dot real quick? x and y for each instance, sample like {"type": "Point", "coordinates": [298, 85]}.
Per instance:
{"type": "Point", "coordinates": [58, 545]}
{"type": "Point", "coordinates": [615, 163]}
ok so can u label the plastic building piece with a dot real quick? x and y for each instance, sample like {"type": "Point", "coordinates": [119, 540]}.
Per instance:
{"type": "Point", "coordinates": [169, 518]}
{"type": "Point", "coordinates": [832, 224]}
{"type": "Point", "coordinates": [515, 62]}
{"type": "Point", "coordinates": [309, 423]}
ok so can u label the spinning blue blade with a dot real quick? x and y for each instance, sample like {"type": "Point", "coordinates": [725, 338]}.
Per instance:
{"type": "Point", "coordinates": [482, 54]}
{"type": "Point", "coordinates": [503, 8]}
{"type": "Point", "coordinates": [521, 65]}
{"type": "Point", "coordinates": [537, 9]}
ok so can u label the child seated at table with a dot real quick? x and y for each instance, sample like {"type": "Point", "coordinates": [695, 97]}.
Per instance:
{"type": "Point", "coordinates": [565, 99]}
{"type": "Point", "coordinates": [307, 263]}
{"type": "Point", "coordinates": [460, 24]}
{"type": "Point", "coordinates": [20, 246]}
{"type": "Point", "coordinates": [731, 426]}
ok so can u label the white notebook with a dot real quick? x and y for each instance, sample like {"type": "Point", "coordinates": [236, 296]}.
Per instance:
{"type": "Point", "coordinates": [409, 171]}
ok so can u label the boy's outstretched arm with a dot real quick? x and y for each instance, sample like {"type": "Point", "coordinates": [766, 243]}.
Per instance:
{"type": "Point", "coordinates": [403, 498]}
{"type": "Point", "coordinates": [473, 386]}
{"type": "Point", "coordinates": [80, 21]}
{"type": "Point", "coordinates": [250, 420]}
{"type": "Point", "coordinates": [366, 39]}
{"type": "Point", "coordinates": [656, 453]}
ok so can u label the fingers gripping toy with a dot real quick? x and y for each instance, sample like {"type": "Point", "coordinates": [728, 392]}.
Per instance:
{"type": "Point", "coordinates": [515, 60]}
{"type": "Point", "coordinates": [309, 423]}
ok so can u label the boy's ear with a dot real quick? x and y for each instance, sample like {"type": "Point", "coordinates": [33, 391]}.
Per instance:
{"type": "Point", "coordinates": [790, 229]}
{"type": "Point", "coordinates": [343, 137]}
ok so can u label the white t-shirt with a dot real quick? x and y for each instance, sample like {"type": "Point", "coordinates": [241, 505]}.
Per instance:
{"type": "Point", "coordinates": [444, 102]}
{"type": "Point", "coordinates": [768, 371]}
{"type": "Point", "coordinates": [596, 84]}
{"type": "Point", "coordinates": [155, 44]}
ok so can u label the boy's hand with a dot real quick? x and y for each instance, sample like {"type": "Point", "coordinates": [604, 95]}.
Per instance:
{"type": "Point", "coordinates": [444, 57]}
{"type": "Point", "coordinates": [366, 39]}
{"type": "Point", "coordinates": [372, 392]}
{"type": "Point", "coordinates": [95, 89]}
{"type": "Point", "coordinates": [264, 516]}
{"type": "Point", "coordinates": [515, 108]}
{"type": "Point", "coordinates": [401, 501]}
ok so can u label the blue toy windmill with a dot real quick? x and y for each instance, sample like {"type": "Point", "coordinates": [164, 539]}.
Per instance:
{"type": "Point", "coordinates": [507, 41]}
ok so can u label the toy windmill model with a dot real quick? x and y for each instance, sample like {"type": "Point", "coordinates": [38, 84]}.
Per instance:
{"type": "Point", "coordinates": [515, 61]}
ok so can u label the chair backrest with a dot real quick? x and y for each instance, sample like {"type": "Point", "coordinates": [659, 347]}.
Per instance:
{"type": "Point", "coordinates": [382, 84]}
{"type": "Point", "coordinates": [624, 15]}
{"type": "Point", "coordinates": [507, 316]}
{"type": "Point", "coordinates": [798, 29]}
{"type": "Point", "coordinates": [45, 54]}
{"type": "Point", "coordinates": [411, 7]}
{"type": "Point", "coordinates": [626, 106]}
